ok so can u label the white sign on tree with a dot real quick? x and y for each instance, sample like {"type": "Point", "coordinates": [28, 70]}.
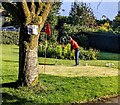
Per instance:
{"type": "Point", "coordinates": [32, 29]}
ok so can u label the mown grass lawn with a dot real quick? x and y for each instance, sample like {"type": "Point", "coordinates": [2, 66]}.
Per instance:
{"type": "Point", "coordinates": [54, 89]}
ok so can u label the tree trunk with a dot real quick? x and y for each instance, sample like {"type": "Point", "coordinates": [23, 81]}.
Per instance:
{"type": "Point", "coordinates": [28, 58]}
{"type": "Point", "coordinates": [28, 13]}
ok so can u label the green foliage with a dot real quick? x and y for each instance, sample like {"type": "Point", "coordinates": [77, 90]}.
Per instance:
{"type": "Point", "coordinates": [105, 27]}
{"type": "Point", "coordinates": [116, 23]}
{"type": "Point", "coordinates": [89, 54]}
{"type": "Point", "coordinates": [57, 51]}
{"type": "Point", "coordinates": [66, 52]}
{"type": "Point", "coordinates": [70, 29]}
{"type": "Point", "coordinates": [76, 32]}
{"type": "Point", "coordinates": [81, 18]}
{"type": "Point", "coordinates": [53, 37]}
{"type": "Point", "coordinates": [61, 21]}
{"type": "Point", "coordinates": [52, 17]}
{"type": "Point", "coordinates": [81, 14]}
{"type": "Point", "coordinates": [53, 21]}
{"type": "Point", "coordinates": [9, 37]}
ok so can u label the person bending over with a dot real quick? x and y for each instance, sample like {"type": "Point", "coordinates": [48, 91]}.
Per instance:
{"type": "Point", "coordinates": [74, 46]}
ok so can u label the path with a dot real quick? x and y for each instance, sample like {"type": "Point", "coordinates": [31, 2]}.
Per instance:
{"type": "Point", "coordinates": [113, 99]}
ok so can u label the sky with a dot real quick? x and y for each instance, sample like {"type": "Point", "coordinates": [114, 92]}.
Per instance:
{"type": "Point", "coordinates": [106, 7]}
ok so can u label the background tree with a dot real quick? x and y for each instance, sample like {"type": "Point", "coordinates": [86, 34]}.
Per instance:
{"type": "Point", "coordinates": [116, 22]}
{"type": "Point", "coordinates": [61, 21]}
{"type": "Point", "coordinates": [104, 25]}
{"type": "Point", "coordinates": [53, 20]}
{"type": "Point", "coordinates": [28, 13]}
{"type": "Point", "coordinates": [81, 14]}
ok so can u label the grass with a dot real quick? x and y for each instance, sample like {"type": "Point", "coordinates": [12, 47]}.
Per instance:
{"type": "Point", "coordinates": [100, 63]}
{"type": "Point", "coordinates": [108, 56]}
{"type": "Point", "coordinates": [73, 71]}
{"type": "Point", "coordinates": [9, 63]}
{"type": "Point", "coordinates": [54, 89]}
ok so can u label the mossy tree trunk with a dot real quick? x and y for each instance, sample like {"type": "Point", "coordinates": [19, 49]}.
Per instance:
{"type": "Point", "coordinates": [28, 13]}
{"type": "Point", "coordinates": [28, 58]}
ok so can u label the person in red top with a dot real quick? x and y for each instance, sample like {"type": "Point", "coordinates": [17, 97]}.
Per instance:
{"type": "Point", "coordinates": [74, 46]}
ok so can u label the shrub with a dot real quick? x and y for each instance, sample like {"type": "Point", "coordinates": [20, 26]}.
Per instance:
{"type": "Point", "coordinates": [41, 50]}
{"type": "Point", "coordinates": [9, 37]}
{"type": "Point", "coordinates": [58, 51]}
{"type": "Point", "coordinates": [64, 53]}
{"type": "Point", "coordinates": [50, 51]}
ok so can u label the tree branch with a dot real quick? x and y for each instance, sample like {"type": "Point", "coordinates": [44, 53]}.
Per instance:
{"type": "Point", "coordinates": [45, 14]}
{"type": "Point", "coordinates": [32, 9]}
{"type": "Point", "coordinates": [39, 6]}
{"type": "Point", "coordinates": [12, 9]}
{"type": "Point", "coordinates": [25, 11]}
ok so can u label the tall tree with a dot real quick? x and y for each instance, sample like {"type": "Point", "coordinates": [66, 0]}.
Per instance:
{"type": "Point", "coordinates": [81, 14]}
{"type": "Point", "coordinates": [28, 13]}
{"type": "Point", "coordinates": [116, 22]}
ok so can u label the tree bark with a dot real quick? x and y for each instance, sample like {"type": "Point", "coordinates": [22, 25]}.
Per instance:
{"type": "Point", "coordinates": [28, 13]}
{"type": "Point", "coordinates": [28, 58]}
{"type": "Point", "coordinates": [28, 51]}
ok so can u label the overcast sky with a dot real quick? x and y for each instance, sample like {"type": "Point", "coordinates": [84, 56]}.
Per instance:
{"type": "Point", "coordinates": [106, 7]}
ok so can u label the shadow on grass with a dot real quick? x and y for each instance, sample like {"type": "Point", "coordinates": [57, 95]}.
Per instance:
{"type": "Point", "coordinates": [16, 53]}
{"type": "Point", "coordinates": [10, 85]}
{"type": "Point", "coordinates": [10, 61]}
{"type": "Point", "coordinates": [16, 48]}
{"type": "Point", "coordinates": [15, 99]}
{"type": "Point", "coordinates": [8, 99]}
{"type": "Point", "coordinates": [7, 76]}
{"type": "Point", "coordinates": [45, 64]}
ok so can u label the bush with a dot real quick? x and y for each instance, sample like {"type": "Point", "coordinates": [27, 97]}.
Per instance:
{"type": "Point", "coordinates": [9, 37]}
{"type": "Point", "coordinates": [57, 52]}
{"type": "Point", "coordinates": [88, 54]}
{"type": "Point", "coordinates": [64, 53]}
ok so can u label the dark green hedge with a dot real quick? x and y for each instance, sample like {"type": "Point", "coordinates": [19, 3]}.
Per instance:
{"type": "Point", "coordinates": [9, 37]}
{"type": "Point", "coordinates": [104, 41]}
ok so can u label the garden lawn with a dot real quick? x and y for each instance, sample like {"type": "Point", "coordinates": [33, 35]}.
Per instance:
{"type": "Point", "coordinates": [54, 89]}
{"type": "Point", "coordinates": [73, 71]}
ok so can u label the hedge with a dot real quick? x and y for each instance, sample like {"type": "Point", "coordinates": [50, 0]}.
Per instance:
{"type": "Point", "coordinates": [10, 37]}
{"type": "Point", "coordinates": [104, 41]}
